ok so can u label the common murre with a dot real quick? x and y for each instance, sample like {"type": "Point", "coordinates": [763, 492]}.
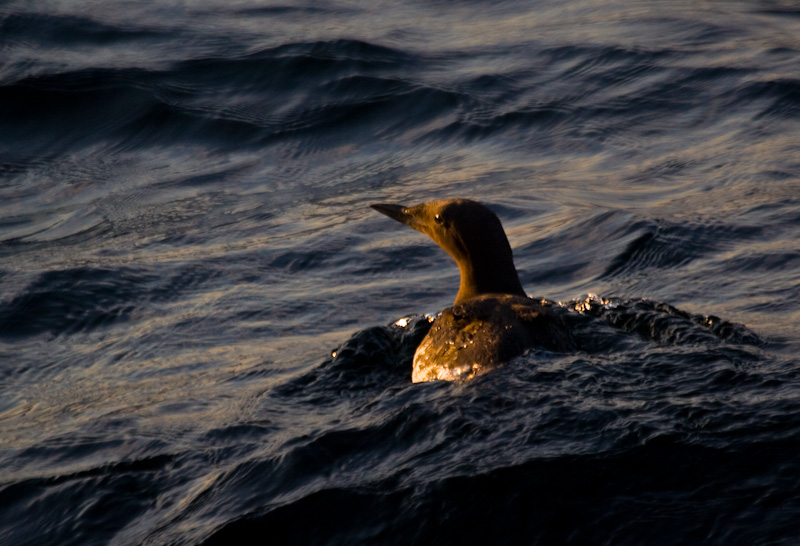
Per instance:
{"type": "Point", "coordinates": [492, 319]}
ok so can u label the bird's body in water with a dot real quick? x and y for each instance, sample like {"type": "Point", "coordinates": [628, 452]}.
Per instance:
{"type": "Point", "coordinates": [492, 319]}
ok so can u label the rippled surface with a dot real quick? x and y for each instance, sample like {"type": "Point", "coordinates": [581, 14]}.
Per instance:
{"type": "Point", "coordinates": [185, 238]}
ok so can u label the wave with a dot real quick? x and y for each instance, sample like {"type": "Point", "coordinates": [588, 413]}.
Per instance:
{"type": "Point", "coordinates": [70, 30]}
{"type": "Point", "coordinates": [666, 245]}
{"type": "Point", "coordinates": [84, 299]}
{"type": "Point", "coordinates": [326, 91]}
{"type": "Point", "coordinates": [547, 501]}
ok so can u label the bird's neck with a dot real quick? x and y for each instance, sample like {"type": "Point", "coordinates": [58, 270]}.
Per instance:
{"type": "Point", "coordinates": [488, 278]}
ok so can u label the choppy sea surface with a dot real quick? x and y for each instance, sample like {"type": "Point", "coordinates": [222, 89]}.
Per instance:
{"type": "Point", "coordinates": [199, 336]}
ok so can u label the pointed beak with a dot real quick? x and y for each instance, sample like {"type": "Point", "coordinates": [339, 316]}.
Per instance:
{"type": "Point", "coordinates": [395, 212]}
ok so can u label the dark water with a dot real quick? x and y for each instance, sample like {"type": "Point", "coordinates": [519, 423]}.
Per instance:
{"type": "Point", "coordinates": [185, 237]}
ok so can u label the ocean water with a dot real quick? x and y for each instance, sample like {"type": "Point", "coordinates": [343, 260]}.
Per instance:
{"type": "Point", "coordinates": [200, 334]}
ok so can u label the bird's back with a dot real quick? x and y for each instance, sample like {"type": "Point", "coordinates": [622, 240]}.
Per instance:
{"type": "Point", "coordinates": [476, 335]}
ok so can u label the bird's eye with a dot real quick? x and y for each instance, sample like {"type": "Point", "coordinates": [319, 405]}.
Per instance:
{"type": "Point", "coordinates": [438, 219]}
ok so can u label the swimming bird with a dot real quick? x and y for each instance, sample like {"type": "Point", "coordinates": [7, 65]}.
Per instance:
{"type": "Point", "coordinates": [492, 319]}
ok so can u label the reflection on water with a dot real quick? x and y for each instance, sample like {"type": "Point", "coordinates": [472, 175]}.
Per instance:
{"type": "Point", "coordinates": [185, 240]}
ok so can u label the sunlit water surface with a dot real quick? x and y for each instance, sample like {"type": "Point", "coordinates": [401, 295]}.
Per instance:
{"type": "Point", "coordinates": [185, 241]}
